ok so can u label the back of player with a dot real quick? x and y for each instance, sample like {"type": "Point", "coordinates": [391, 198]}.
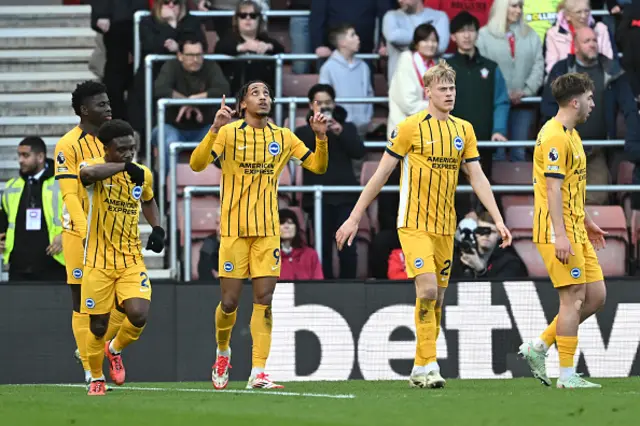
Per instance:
{"type": "Point", "coordinates": [252, 153]}
{"type": "Point", "coordinates": [563, 232]}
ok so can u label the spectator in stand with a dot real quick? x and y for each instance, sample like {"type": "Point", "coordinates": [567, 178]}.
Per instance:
{"type": "Point", "coordinates": [169, 22]}
{"type": "Point", "coordinates": [478, 255]}
{"type": "Point", "coordinates": [541, 15]}
{"type": "Point", "coordinates": [628, 36]}
{"type": "Point", "coordinates": [406, 92]}
{"type": "Point", "coordinates": [478, 8]}
{"type": "Point", "coordinates": [189, 76]}
{"type": "Point", "coordinates": [114, 20]}
{"type": "Point", "coordinates": [222, 25]}
{"type": "Point", "coordinates": [30, 218]}
{"type": "Point", "coordinates": [350, 77]}
{"type": "Point", "coordinates": [249, 37]}
{"type": "Point", "coordinates": [345, 145]}
{"type": "Point", "coordinates": [482, 97]}
{"type": "Point", "coordinates": [612, 93]}
{"type": "Point", "coordinates": [208, 263]}
{"type": "Point", "coordinates": [399, 25]}
{"type": "Point", "coordinates": [299, 262]}
{"type": "Point", "coordinates": [362, 14]}
{"type": "Point", "coordinates": [559, 42]}
{"type": "Point", "coordinates": [299, 34]}
{"type": "Point", "coordinates": [517, 50]}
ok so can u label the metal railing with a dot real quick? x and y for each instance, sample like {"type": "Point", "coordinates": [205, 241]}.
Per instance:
{"type": "Point", "coordinates": [318, 190]}
{"type": "Point", "coordinates": [137, 18]}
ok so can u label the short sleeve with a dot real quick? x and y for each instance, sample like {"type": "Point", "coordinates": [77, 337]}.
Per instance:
{"type": "Point", "coordinates": [299, 150]}
{"type": "Point", "coordinates": [147, 188]}
{"type": "Point", "coordinates": [400, 140]}
{"type": "Point", "coordinates": [66, 161]}
{"type": "Point", "coordinates": [470, 152]}
{"type": "Point", "coordinates": [554, 157]}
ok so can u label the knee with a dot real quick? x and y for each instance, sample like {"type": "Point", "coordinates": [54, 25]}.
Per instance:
{"type": "Point", "coordinates": [98, 325]}
{"type": "Point", "coordinates": [263, 297]}
{"type": "Point", "coordinates": [229, 303]}
{"type": "Point", "coordinates": [137, 317]}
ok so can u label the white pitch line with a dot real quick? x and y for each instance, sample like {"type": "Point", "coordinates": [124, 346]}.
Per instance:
{"type": "Point", "coordinates": [241, 391]}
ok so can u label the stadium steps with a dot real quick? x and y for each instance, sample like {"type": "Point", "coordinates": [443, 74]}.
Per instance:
{"type": "Point", "coordinates": [45, 16]}
{"type": "Point", "coordinates": [51, 60]}
{"type": "Point", "coordinates": [30, 104]}
{"type": "Point", "coordinates": [51, 37]}
{"type": "Point", "coordinates": [42, 81]}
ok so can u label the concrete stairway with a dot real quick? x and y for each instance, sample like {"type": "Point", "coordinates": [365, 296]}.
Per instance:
{"type": "Point", "coordinates": [44, 54]}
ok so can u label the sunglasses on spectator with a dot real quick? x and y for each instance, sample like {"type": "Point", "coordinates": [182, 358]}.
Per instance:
{"type": "Point", "coordinates": [244, 15]}
{"type": "Point", "coordinates": [483, 230]}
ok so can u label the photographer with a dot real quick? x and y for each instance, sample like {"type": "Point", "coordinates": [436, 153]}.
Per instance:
{"type": "Point", "coordinates": [477, 253]}
{"type": "Point", "coordinates": [344, 146]}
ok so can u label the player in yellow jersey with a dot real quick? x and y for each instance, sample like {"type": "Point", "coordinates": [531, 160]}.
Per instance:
{"type": "Point", "coordinates": [91, 103]}
{"type": "Point", "coordinates": [252, 153]}
{"type": "Point", "coordinates": [114, 270]}
{"type": "Point", "coordinates": [562, 231]}
{"type": "Point", "coordinates": [433, 147]}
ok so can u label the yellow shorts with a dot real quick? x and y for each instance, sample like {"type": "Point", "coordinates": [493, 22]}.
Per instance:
{"type": "Point", "coordinates": [244, 257]}
{"type": "Point", "coordinates": [427, 253]}
{"type": "Point", "coordinates": [100, 287]}
{"type": "Point", "coordinates": [582, 268]}
{"type": "Point", "coordinates": [73, 252]}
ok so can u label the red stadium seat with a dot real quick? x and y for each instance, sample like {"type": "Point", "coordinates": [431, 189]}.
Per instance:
{"type": "Point", "coordinates": [530, 255]}
{"type": "Point", "coordinates": [368, 169]}
{"type": "Point", "coordinates": [195, 258]}
{"type": "Point", "coordinates": [519, 219]}
{"type": "Point", "coordinates": [203, 217]}
{"type": "Point", "coordinates": [512, 173]}
{"type": "Point", "coordinates": [610, 219]}
{"type": "Point", "coordinates": [186, 177]}
{"type": "Point", "coordinates": [298, 85]}
{"type": "Point", "coordinates": [634, 226]}
{"type": "Point", "coordinates": [299, 122]}
{"type": "Point", "coordinates": [613, 258]}
{"type": "Point", "coordinates": [516, 200]}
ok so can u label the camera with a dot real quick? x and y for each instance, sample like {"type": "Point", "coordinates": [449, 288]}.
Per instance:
{"type": "Point", "coordinates": [465, 236]}
{"type": "Point", "coordinates": [327, 112]}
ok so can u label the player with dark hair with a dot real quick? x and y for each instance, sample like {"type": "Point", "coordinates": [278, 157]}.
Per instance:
{"type": "Point", "coordinates": [114, 271]}
{"type": "Point", "coordinates": [252, 153]}
{"type": "Point", "coordinates": [563, 232]}
{"type": "Point", "coordinates": [91, 103]}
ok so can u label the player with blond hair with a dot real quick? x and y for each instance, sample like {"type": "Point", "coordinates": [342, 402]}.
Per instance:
{"type": "Point", "coordinates": [433, 147]}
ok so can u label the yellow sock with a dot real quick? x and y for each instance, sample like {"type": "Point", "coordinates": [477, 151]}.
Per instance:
{"type": "Point", "coordinates": [115, 321]}
{"type": "Point", "coordinates": [80, 327]}
{"type": "Point", "coordinates": [566, 350]}
{"type": "Point", "coordinates": [224, 325]}
{"type": "Point", "coordinates": [438, 318]}
{"type": "Point", "coordinates": [548, 336]}
{"type": "Point", "coordinates": [95, 354]}
{"type": "Point", "coordinates": [425, 317]}
{"type": "Point", "coordinates": [127, 334]}
{"type": "Point", "coordinates": [261, 324]}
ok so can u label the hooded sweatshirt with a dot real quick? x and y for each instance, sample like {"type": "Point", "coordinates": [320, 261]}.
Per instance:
{"type": "Point", "coordinates": [350, 80]}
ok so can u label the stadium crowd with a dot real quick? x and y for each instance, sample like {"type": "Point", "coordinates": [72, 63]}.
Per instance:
{"type": "Point", "coordinates": [503, 51]}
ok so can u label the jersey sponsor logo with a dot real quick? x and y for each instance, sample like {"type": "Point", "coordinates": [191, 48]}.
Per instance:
{"type": "Point", "coordinates": [575, 273]}
{"type": "Point", "coordinates": [136, 192]}
{"type": "Point", "coordinates": [77, 273]}
{"type": "Point", "coordinates": [418, 263]}
{"type": "Point", "coordinates": [458, 143]}
{"type": "Point", "coordinates": [60, 158]}
{"type": "Point", "coordinates": [90, 303]}
{"type": "Point", "coordinates": [258, 168]}
{"type": "Point", "coordinates": [448, 163]}
{"type": "Point", "coordinates": [553, 155]}
{"type": "Point", "coordinates": [228, 266]}
{"type": "Point", "coordinates": [274, 148]}
{"type": "Point", "coordinates": [119, 206]}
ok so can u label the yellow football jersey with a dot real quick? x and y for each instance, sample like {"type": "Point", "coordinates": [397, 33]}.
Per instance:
{"type": "Point", "coordinates": [431, 152]}
{"type": "Point", "coordinates": [71, 150]}
{"type": "Point", "coordinates": [113, 236]}
{"type": "Point", "coordinates": [559, 154]}
{"type": "Point", "coordinates": [252, 160]}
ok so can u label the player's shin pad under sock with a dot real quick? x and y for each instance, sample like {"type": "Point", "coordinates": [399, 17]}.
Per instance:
{"type": "Point", "coordinates": [566, 350]}
{"type": "Point", "coordinates": [115, 321]}
{"type": "Point", "coordinates": [261, 324]}
{"type": "Point", "coordinates": [224, 325]}
{"type": "Point", "coordinates": [438, 319]}
{"type": "Point", "coordinates": [548, 336]}
{"type": "Point", "coordinates": [127, 334]}
{"type": "Point", "coordinates": [425, 318]}
{"type": "Point", "coordinates": [80, 327]}
{"type": "Point", "coordinates": [95, 354]}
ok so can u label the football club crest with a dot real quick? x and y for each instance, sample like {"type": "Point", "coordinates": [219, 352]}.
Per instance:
{"type": "Point", "coordinates": [90, 303]}
{"type": "Point", "coordinates": [458, 143]}
{"type": "Point", "coordinates": [228, 266]}
{"type": "Point", "coordinates": [77, 273]}
{"type": "Point", "coordinates": [136, 192]}
{"type": "Point", "coordinates": [418, 263]}
{"type": "Point", "coordinates": [274, 148]}
{"type": "Point", "coordinates": [575, 273]}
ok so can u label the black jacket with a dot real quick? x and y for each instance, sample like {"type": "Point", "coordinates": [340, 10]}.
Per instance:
{"type": "Point", "coordinates": [342, 149]}
{"type": "Point", "coordinates": [117, 11]}
{"type": "Point", "coordinates": [618, 97]}
{"type": "Point", "coordinates": [502, 264]}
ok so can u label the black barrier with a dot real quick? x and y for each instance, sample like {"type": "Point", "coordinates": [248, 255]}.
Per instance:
{"type": "Point", "coordinates": [323, 331]}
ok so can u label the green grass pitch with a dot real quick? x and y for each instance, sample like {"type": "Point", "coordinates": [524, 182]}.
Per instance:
{"type": "Point", "coordinates": [517, 402]}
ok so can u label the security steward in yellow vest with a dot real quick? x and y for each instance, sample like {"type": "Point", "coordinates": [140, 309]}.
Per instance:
{"type": "Point", "coordinates": [30, 218]}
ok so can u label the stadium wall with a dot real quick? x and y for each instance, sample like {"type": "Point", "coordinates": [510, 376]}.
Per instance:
{"type": "Point", "coordinates": [323, 331]}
